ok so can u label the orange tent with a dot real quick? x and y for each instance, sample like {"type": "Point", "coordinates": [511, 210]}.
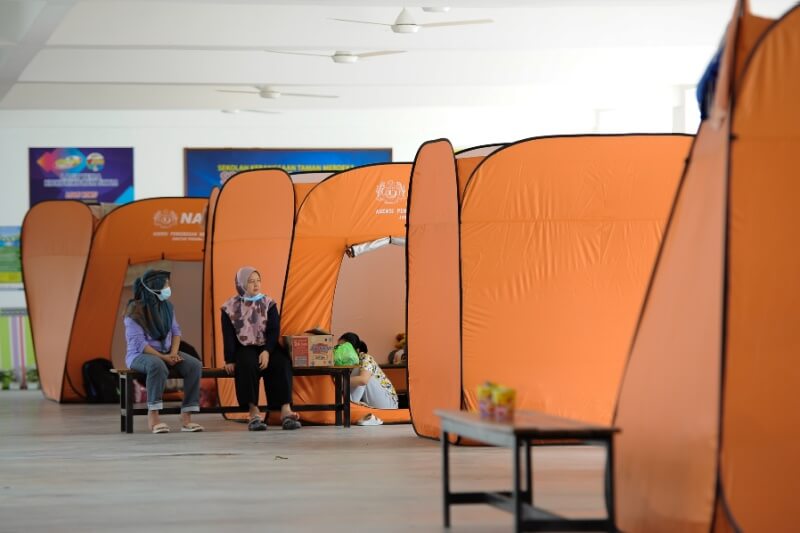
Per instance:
{"type": "Point", "coordinates": [90, 294]}
{"type": "Point", "coordinates": [56, 236]}
{"type": "Point", "coordinates": [352, 207]}
{"type": "Point", "coordinates": [706, 405]}
{"type": "Point", "coordinates": [558, 237]}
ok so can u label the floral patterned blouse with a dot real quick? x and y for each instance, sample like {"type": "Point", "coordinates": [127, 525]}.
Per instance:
{"type": "Point", "coordinates": [368, 363]}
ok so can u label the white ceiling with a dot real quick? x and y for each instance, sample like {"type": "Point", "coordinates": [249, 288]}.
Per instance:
{"type": "Point", "coordinates": [152, 54]}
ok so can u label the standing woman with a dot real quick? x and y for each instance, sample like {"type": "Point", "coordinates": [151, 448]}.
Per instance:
{"type": "Point", "coordinates": [250, 329]}
{"type": "Point", "coordinates": [154, 336]}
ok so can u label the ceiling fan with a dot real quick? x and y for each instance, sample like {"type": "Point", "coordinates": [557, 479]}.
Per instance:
{"type": "Point", "coordinates": [265, 91]}
{"type": "Point", "coordinates": [237, 111]}
{"type": "Point", "coordinates": [404, 23]}
{"type": "Point", "coordinates": [341, 56]}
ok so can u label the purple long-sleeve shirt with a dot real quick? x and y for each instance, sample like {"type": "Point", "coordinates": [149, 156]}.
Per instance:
{"type": "Point", "coordinates": [138, 338]}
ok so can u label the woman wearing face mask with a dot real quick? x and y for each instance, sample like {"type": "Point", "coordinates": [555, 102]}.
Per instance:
{"type": "Point", "coordinates": [250, 329]}
{"type": "Point", "coordinates": [153, 337]}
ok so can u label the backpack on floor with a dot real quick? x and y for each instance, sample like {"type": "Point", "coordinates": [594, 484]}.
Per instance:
{"type": "Point", "coordinates": [101, 385]}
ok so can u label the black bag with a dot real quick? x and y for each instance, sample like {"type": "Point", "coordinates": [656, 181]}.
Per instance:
{"type": "Point", "coordinates": [101, 385]}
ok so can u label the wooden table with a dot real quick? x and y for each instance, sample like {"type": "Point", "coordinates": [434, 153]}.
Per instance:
{"type": "Point", "coordinates": [341, 405]}
{"type": "Point", "coordinates": [527, 429]}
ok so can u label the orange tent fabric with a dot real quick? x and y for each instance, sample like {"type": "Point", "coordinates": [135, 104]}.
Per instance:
{"type": "Point", "coordinates": [139, 232]}
{"type": "Point", "coordinates": [252, 225]}
{"type": "Point", "coordinates": [56, 236]}
{"type": "Point", "coordinates": [433, 288]}
{"type": "Point", "coordinates": [558, 240]}
{"type": "Point", "coordinates": [707, 441]}
{"type": "Point", "coordinates": [351, 207]}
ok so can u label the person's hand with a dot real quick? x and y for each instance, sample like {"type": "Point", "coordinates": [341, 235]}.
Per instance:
{"type": "Point", "coordinates": [172, 359]}
{"type": "Point", "coordinates": [263, 360]}
{"type": "Point", "coordinates": [230, 368]}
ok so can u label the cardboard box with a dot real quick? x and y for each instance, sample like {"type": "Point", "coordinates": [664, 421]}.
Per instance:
{"type": "Point", "coordinates": [310, 350]}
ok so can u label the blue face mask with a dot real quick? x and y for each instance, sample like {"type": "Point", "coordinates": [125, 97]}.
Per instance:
{"type": "Point", "coordinates": [165, 293]}
{"type": "Point", "coordinates": [254, 298]}
{"type": "Point", "coordinates": [162, 295]}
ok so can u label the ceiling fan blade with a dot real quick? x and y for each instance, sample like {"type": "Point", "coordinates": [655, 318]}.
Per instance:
{"type": "Point", "coordinates": [362, 22]}
{"type": "Point", "coordinates": [296, 53]}
{"type": "Point", "coordinates": [235, 91]}
{"type": "Point", "coordinates": [456, 23]}
{"type": "Point", "coordinates": [264, 111]}
{"type": "Point", "coordinates": [310, 95]}
{"type": "Point", "coordinates": [381, 53]}
{"type": "Point", "coordinates": [7, 44]}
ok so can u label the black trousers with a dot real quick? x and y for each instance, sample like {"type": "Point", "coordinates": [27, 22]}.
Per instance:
{"type": "Point", "coordinates": [277, 377]}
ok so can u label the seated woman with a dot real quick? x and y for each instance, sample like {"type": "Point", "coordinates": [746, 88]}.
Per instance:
{"type": "Point", "coordinates": [368, 383]}
{"type": "Point", "coordinates": [250, 329]}
{"type": "Point", "coordinates": [154, 336]}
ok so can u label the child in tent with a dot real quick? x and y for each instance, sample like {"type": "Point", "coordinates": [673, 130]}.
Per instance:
{"type": "Point", "coordinates": [368, 383]}
{"type": "Point", "coordinates": [153, 337]}
{"type": "Point", "coordinates": [250, 329]}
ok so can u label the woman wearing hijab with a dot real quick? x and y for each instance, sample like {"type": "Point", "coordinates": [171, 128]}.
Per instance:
{"type": "Point", "coordinates": [154, 336]}
{"type": "Point", "coordinates": [250, 329]}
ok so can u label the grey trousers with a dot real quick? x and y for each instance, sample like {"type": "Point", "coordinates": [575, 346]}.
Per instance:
{"type": "Point", "coordinates": [157, 371]}
{"type": "Point", "coordinates": [372, 394]}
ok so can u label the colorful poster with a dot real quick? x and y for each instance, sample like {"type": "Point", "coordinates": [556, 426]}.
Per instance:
{"type": "Point", "coordinates": [94, 175]}
{"type": "Point", "coordinates": [207, 168]}
{"type": "Point", "coordinates": [10, 264]}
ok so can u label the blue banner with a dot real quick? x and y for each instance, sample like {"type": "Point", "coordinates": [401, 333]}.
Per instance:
{"type": "Point", "coordinates": [207, 168]}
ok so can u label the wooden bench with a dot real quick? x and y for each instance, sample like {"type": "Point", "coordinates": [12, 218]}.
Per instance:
{"type": "Point", "coordinates": [341, 405]}
{"type": "Point", "coordinates": [525, 430]}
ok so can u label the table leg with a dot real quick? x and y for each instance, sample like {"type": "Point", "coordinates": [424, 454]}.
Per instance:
{"type": "Point", "coordinates": [516, 495]}
{"type": "Point", "coordinates": [528, 471]}
{"type": "Point", "coordinates": [346, 398]}
{"type": "Point", "coordinates": [610, 503]}
{"type": "Point", "coordinates": [446, 477]}
{"type": "Point", "coordinates": [337, 385]}
{"type": "Point", "coordinates": [128, 404]}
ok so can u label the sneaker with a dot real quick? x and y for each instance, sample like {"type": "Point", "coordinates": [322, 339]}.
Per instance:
{"type": "Point", "coordinates": [256, 424]}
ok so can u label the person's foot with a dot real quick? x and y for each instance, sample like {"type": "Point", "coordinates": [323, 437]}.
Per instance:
{"type": "Point", "coordinates": [153, 420]}
{"type": "Point", "coordinates": [256, 424]}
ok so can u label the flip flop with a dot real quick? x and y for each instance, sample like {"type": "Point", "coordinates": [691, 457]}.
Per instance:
{"type": "Point", "coordinates": [161, 428]}
{"type": "Point", "coordinates": [291, 422]}
{"type": "Point", "coordinates": [256, 424]}
{"type": "Point", "coordinates": [370, 420]}
{"type": "Point", "coordinates": [192, 427]}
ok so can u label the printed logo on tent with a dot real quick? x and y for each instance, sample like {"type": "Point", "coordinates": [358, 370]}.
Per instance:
{"type": "Point", "coordinates": [391, 192]}
{"type": "Point", "coordinates": [179, 225]}
{"type": "Point", "coordinates": [165, 218]}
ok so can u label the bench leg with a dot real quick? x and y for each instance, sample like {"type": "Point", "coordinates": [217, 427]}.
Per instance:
{"type": "Point", "coordinates": [122, 425]}
{"type": "Point", "coordinates": [346, 398]}
{"type": "Point", "coordinates": [128, 405]}
{"type": "Point", "coordinates": [338, 399]}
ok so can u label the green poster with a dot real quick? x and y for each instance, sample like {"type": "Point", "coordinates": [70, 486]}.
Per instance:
{"type": "Point", "coordinates": [10, 264]}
